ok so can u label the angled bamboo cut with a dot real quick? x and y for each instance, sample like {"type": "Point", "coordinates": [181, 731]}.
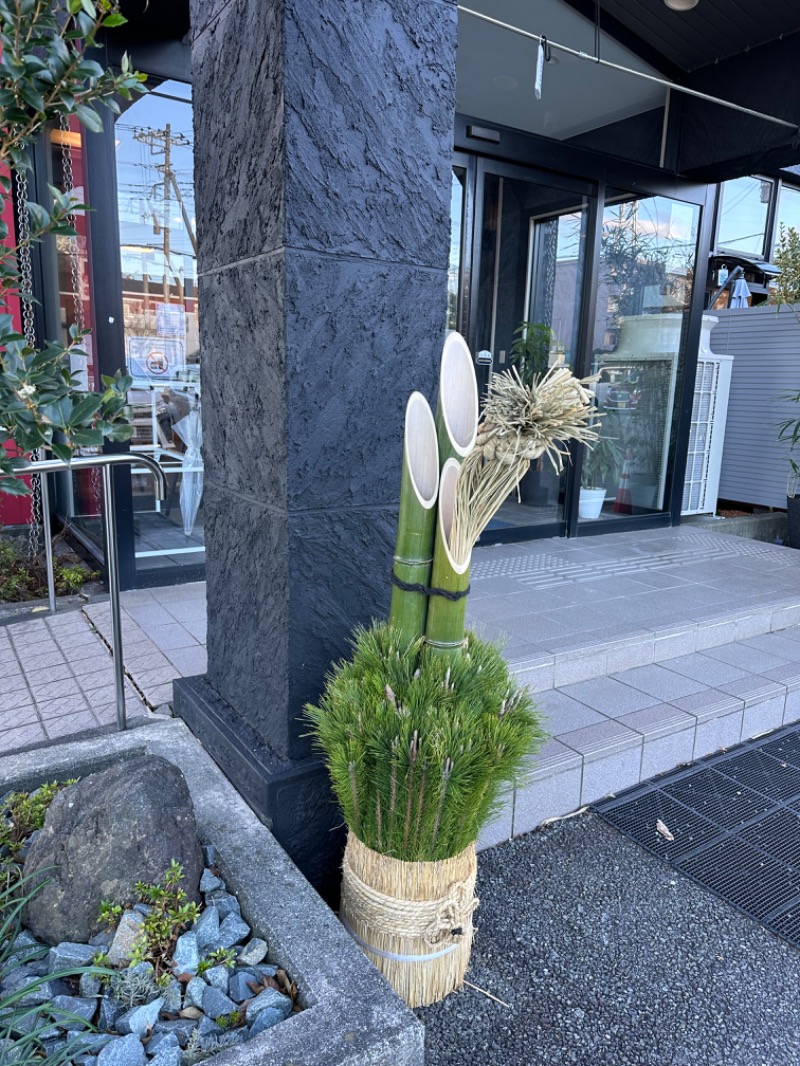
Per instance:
{"type": "Point", "coordinates": [444, 631]}
{"type": "Point", "coordinates": [457, 411]}
{"type": "Point", "coordinates": [413, 553]}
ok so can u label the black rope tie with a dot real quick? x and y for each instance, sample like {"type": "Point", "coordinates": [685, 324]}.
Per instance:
{"type": "Point", "coordinates": [425, 591]}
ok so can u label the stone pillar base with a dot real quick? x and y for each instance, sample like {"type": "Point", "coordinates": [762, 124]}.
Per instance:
{"type": "Point", "coordinates": [292, 797]}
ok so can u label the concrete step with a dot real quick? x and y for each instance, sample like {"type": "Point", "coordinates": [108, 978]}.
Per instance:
{"type": "Point", "coordinates": [612, 731]}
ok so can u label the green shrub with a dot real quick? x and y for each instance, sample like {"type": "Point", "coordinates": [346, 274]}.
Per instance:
{"type": "Point", "coordinates": [419, 749]}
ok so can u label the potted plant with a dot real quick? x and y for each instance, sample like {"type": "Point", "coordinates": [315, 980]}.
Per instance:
{"type": "Point", "coordinates": [424, 726]}
{"type": "Point", "coordinates": [601, 466]}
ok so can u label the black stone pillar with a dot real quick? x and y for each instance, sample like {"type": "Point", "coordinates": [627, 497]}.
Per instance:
{"type": "Point", "coordinates": [323, 138]}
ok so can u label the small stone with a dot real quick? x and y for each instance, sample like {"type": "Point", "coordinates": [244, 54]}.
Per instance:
{"type": "Point", "coordinates": [206, 928]}
{"type": "Point", "coordinates": [270, 998]}
{"type": "Point", "coordinates": [168, 1056]}
{"type": "Point", "coordinates": [130, 925]}
{"type": "Point", "coordinates": [23, 851]}
{"type": "Point", "coordinates": [85, 1060]}
{"type": "Point", "coordinates": [89, 985]}
{"type": "Point", "coordinates": [266, 1019]}
{"type": "Point", "coordinates": [195, 990]}
{"type": "Point", "coordinates": [140, 1019]}
{"type": "Point", "coordinates": [173, 997]}
{"type": "Point", "coordinates": [109, 1012]}
{"type": "Point", "coordinates": [165, 709]}
{"type": "Point", "coordinates": [209, 854]}
{"type": "Point", "coordinates": [216, 1003]}
{"type": "Point", "coordinates": [239, 986]}
{"type": "Point", "coordinates": [186, 957]}
{"type": "Point", "coordinates": [258, 973]}
{"type": "Point", "coordinates": [92, 1042]}
{"type": "Point", "coordinates": [217, 977]}
{"type": "Point", "coordinates": [254, 952]}
{"type": "Point", "coordinates": [159, 1041]}
{"type": "Point", "coordinates": [142, 908]}
{"type": "Point", "coordinates": [102, 940]}
{"type": "Point", "coordinates": [209, 882]}
{"type": "Point", "coordinates": [232, 930]}
{"type": "Point", "coordinates": [208, 1028]}
{"type": "Point", "coordinates": [68, 956]}
{"type": "Point", "coordinates": [224, 902]}
{"type": "Point", "coordinates": [122, 1051]}
{"type": "Point", "coordinates": [83, 1009]}
{"type": "Point", "coordinates": [181, 1027]}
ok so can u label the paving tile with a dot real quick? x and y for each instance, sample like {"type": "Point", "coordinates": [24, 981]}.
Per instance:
{"type": "Point", "coordinates": [659, 720]}
{"type": "Point", "coordinates": [750, 659]}
{"type": "Point", "coordinates": [562, 714]}
{"type": "Point", "coordinates": [775, 644]}
{"type": "Point", "coordinates": [625, 655]}
{"type": "Point", "coordinates": [547, 797]}
{"type": "Point", "coordinates": [21, 737]}
{"type": "Point", "coordinates": [763, 717]}
{"type": "Point", "coordinates": [668, 645]}
{"type": "Point", "coordinates": [68, 724]}
{"type": "Point", "coordinates": [705, 669]}
{"type": "Point", "coordinates": [785, 616]}
{"type": "Point", "coordinates": [715, 634]}
{"type": "Point", "coordinates": [535, 678]}
{"type": "Point", "coordinates": [609, 696]}
{"type": "Point", "coordinates": [791, 710]}
{"type": "Point", "coordinates": [663, 753]}
{"type": "Point", "coordinates": [552, 758]}
{"type": "Point", "coordinates": [52, 690]}
{"type": "Point", "coordinates": [715, 734]}
{"type": "Point", "coordinates": [581, 668]}
{"type": "Point", "coordinates": [150, 615]}
{"type": "Point", "coordinates": [499, 829]}
{"type": "Point", "coordinates": [610, 775]}
{"type": "Point", "coordinates": [708, 703]}
{"type": "Point", "coordinates": [753, 689]}
{"type": "Point", "coordinates": [172, 636]}
{"type": "Point", "coordinates": [57, 708]}
{"type": "Point", "coordinates": [601, 739]}
{"type": "Point", "coordinates": [661, 683]}
{"type": "Point", "coordinates": [18, 716]}
{"type": "Point", "coordinates": [10, 700]}
{"type": "Point", "coordinates": [189, 661]}
{"type": "Point", "coordinates": [13, 683]}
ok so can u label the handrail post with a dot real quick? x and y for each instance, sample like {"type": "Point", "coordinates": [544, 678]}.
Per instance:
{"type": "Point", "coordinates": [112, 565]}
{"type": "Point", "coordinates": [48, 540]}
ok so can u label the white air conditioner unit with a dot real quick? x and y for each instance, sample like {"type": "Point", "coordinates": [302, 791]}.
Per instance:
{"type": "Point", "coordinates": [707, 434]}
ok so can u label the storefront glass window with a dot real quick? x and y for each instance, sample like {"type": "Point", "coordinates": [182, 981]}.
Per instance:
{"type": "Point", "coordinates": [454, 264]}
{"type": "Point", "coordinates": [788, 210]}
{"type": "Point", "coordinates": [154, 146]}
{"type": "Point", "coordinates": [647, 261]}
{"type": "Point", "coordinates": [744, 206]}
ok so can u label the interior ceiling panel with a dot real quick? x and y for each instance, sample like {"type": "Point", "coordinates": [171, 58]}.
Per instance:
{"type": "Point", "coordinates": [714, 30]}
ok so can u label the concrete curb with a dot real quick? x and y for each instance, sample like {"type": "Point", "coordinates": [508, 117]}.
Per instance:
{"type": "Point", "coordinates": [352, 1016]}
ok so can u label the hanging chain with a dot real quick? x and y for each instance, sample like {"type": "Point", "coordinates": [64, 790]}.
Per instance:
{"type": "Point", "coordinates": [25, 289]}
{"type": "Point", "coordinates": [68, 182]}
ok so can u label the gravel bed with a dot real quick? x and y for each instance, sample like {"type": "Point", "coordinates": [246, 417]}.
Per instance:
{"type": "Point", "coordinates": [606, 956]}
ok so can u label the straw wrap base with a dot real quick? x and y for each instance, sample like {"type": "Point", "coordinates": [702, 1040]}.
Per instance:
{"type": "Point", "coordinates": [412, 919]}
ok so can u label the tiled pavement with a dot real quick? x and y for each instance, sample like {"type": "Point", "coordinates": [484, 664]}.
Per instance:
{"type": "Point", "coordinates": [645, 650]}
{"type": "Point", "coordinates": [56, 673]}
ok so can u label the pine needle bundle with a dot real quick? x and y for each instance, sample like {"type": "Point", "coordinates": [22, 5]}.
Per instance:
{"type": "Point", "coordinates": [520, 423]}
{"type": "Point", "coordinates": [419, 749]}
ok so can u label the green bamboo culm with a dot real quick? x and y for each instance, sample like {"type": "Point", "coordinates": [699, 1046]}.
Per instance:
{"type": "Point", "coordinates": [413, 554]}
{"type": "Point", "coordinates": [419, 749]}
{"type": "Point", "coordinates": [444, 629]}
{"type": "Point", "coordinates": [457, 409]}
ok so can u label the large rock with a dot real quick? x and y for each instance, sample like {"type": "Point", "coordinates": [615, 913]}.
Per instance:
{"type": "Point", "coordinates": [101, 836]}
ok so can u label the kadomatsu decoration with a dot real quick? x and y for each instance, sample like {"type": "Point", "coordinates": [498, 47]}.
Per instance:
{"type": "Point", "coordinates": [424, 726]}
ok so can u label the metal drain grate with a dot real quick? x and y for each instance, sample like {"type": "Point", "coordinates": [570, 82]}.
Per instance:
{"type": "Point", "coordinates": [735, 819]}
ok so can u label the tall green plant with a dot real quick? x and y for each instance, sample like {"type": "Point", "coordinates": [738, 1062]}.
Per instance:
{"type": "Point", "coordinates": [530, 350]}
{"type": "Point", "coordinates": [46, 73]}
{"type": "Point", "coordinates": [419, 749]}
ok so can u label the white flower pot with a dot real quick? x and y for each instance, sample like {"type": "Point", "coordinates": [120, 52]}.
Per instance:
{"type": "Point", "coordinates": [590, 503]}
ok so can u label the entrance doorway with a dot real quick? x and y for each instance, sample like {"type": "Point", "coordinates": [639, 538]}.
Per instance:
{"type": "Point", "coordinates": [547, 269]}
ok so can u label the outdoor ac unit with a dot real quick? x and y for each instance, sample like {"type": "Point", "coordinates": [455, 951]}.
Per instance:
{"type": "Point", "coordinates": [707, 434]}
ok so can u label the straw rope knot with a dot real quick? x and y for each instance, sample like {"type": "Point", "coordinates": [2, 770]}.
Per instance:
{"type": "Point", "coordinates": [431, 921]}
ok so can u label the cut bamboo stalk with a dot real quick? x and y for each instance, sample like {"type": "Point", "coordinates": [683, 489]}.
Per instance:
{"type": "Point", "coordinates": [444, 629]}
{"type": "Point", "coordinates": [457, 412]}
{"type": "Point", "coordinates": [413, 553]}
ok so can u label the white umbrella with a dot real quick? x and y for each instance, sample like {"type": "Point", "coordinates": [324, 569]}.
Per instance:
{"type": "Point", "coordinates": [190, 430]}
{"type": "Point", "coordinates": [739, 294]}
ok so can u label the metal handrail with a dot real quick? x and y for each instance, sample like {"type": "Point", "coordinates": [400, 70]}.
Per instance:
{"type": "Point", "coordinates": [105, 462]}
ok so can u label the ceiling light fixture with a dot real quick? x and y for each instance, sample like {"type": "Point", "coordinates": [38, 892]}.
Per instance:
{"type": "Point", "coordinates": [681, 5]}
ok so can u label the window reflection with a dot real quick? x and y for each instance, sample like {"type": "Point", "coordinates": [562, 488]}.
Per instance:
{"type": "Point", "coordinates": [744, 207]}
{"type": "Point", "coordinates": [154, 154]}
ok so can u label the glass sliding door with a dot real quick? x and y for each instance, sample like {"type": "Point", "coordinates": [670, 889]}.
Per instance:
{"type": "Point", "coordinates": [648, 249]}
{"type": "Point", "coordinates": [532, 240]}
